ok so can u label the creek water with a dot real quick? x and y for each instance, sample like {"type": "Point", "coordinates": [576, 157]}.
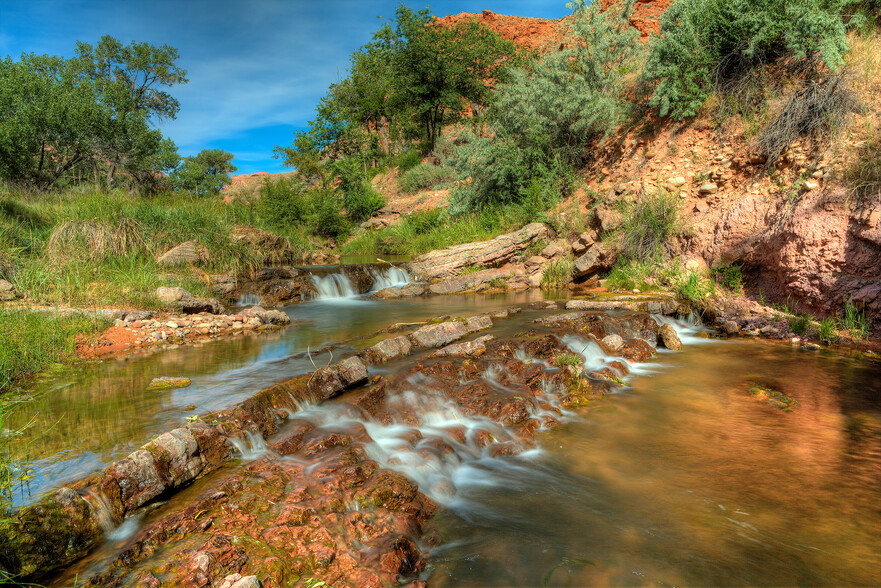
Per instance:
{"type": "Point", "coordinates": [89, 417]}
{"type": "Point", "coordinates": [684, 477]}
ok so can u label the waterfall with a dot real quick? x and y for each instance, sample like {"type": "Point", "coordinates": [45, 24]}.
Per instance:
{"type": "Point", "coordinates": [248, 300]}
{"type": "Point", "coordinates": [393, 277]}
{"type": "Point", "coordinates": [333, 286]}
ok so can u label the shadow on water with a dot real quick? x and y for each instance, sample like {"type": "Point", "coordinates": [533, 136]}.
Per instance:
{"type": "Point", "coordinates": [688, 478]}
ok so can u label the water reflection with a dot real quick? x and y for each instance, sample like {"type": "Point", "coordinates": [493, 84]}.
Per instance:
{"type": "Point", "coordinates": [689, 479]}
{"type": "Point", "coordinates": [100, 412]}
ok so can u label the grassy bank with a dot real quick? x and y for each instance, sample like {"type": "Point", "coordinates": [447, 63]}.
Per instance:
{"type": "Point", "coordinates": [92, 248]}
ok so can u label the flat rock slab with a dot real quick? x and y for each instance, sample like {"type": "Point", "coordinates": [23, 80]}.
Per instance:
{"type": "Point", "coordinates": [656, 304]}
{"type": "Point", "coordinates": [449, 262]}
{"type": "Point", "coordinates": [168, 383]}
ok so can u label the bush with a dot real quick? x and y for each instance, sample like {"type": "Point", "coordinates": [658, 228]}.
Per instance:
{"type": "Point", "coordinates": [330, 221]}
{"type": "Point", "coordinates": [361, 201]}
{"type": "Point", "coordinates": [798, 323]}
{"type": "Point", "coordinates": [705, 43]}
{"type": "Point", "coordinates": [283, 202]}
{"type": "Point", "coordinates": [729, 276]}
{"type": "Point", "coordinates": [648, 224]}
{"type": "Point", "coordinates": [408, 160]}
{"type": "Point", "coordinates": [424, 176]}
{"type": "Point", "coordinates": [828, 331]}
{"type": "Point", "coordinates": [694, 287]}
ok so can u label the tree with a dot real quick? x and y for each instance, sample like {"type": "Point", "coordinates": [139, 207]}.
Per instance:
{"type": "Point", "coordinates": [70, 120]}
{"type": "Point", "coordinates": [204, 174]}
{"type": "Point", "coordinates": [440, 70]}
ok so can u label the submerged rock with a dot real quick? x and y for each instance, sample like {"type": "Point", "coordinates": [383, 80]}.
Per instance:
{"type": "Point", "coordinates": [406, 291]}
{"type": "Point", "coordinates": [168, 383]}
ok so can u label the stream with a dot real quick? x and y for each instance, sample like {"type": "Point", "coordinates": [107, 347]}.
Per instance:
{"type": "Point", "coordinates": [683, 477]}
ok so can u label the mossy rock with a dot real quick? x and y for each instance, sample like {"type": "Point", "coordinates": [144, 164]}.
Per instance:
{"type": "Point", "coordinates": [773, 397]}
{"type": "Point", "coordinates": [168, 383]}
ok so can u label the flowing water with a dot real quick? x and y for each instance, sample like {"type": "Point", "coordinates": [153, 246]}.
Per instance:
{"type": "Point", "coordinates": [684, 477]}
{"type": "Point", "coordinates": [100, 412]}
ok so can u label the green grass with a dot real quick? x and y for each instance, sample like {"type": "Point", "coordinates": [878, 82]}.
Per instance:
{"type": "Point", "coordinates": [31, 342]}
{"type": "Point", "coordinates": [799, 323]}
{"type": "Point", "coordinates": [648, 224]}
{"type": "Point", "coordinates": [558, 273]}
{"type": "Point", "coordinates": [854, 322]}
{"type": "Point", "coordinates": [86, 247]}
{"type": "Point", "coordinates": [730, 276]}
{"type": "Point", "coordinates": [425, 176]}
{"type": "Point", "coordinates": [436, 229]}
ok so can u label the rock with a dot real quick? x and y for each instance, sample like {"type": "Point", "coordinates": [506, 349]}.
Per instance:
{"type": "Point", "coordinates": [439, 335]}
{"type": "Point", "coordinates": [481, 280]}
{"type": "Point", "coordinates": [474, 348]}
{"type": "Point", "coordinates": [188, 303]}
{"type": "Point", "coordinates": [168, 383]}
{"type": "Point", "coordinates": [407, 291]}
{"type": "Point", "coordinates": [676, 182]}
{"type": "Point", "coordinates": [449, 262]}
{"type": "Point", "coordinates": [608, 219]}
{"type": "Point", "coordinates": [708, 188]}
{"type": "Point", "coordinates": [237, 581]}
{"type": "Point", "coordinates": [553, 251]}
{"type": "Point", "coordinates": [7, 291]}
{"type": "Point", "coordinates": [268, 317]}
{"type": "Point", "coordinates": [810, 185]}
{"type": "Point", "coordinates": [667, 335]}
{"type": "Point", "coordinates": [534, 262]}
{"type": "Point", "coordinates": [729, 327]}
{"type": "Point", "coordinates": [613, 343]}
{"type": "Point", "coordinates": [478, 323]}
{"type": "Point", "coordinates": [390, 349]}
{"type": "Point", "coordinates": [185, 253]}
{"type": "Point", "coordinates": [351, 371]}
{"type": "Point", "coordinates": [597, 258]}
{"type": "Point", "coordinates": [585, 240]}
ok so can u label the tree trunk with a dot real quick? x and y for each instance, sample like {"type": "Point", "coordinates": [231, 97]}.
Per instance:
{"type": "Point", "coordinates": [110, 168]}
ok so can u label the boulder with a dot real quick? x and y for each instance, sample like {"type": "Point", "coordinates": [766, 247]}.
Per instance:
{"type": "Point", "coordinates": [440, 334]}
{"type": "Point", "coordinates": [729, 327]}
{"type": "Point", "coordinates": [481, 280]}
{"type": "Point", "coordinates": [608, 219]}
{"type": "Point", "coordinates": [613, 343]}
{"type": "Point", "coordinates": [554, 250]}
{"type": "Point", "coordinates": [268, 317]}
{"type": "Point", "coordinates": [474, 348]}
{"type": "Point", "coordinates": [7, 291]}
{"type": "Point", "coordinates": [406, 291]}
{"type": "Point", "coordinates": [390, 349]}
{"type": "Point", "coordinates": [597, 258]}
{"type": "Point", "coordinates": [668, 337]}
{"type": "Point", "coordinates": [708, 188]}
{"type": "Point", "coordinates": [186, 253]}
{"type": "Point", "coordinates": [189, 304]}
{"type": "Point", "coordinates": [450, 262]}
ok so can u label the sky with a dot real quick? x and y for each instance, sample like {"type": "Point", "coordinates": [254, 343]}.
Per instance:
{"type": "Point", "coordinates": [256, 68]}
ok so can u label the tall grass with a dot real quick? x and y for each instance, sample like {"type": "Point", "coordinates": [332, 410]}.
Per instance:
{"type": "Point", "coordinates": [84, 247]}
{"type": "Point", "coordinates": [648, 224]}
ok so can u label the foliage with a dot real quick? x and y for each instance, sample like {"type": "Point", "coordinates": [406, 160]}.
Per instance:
{"type": "Point", "coordinates": [648, 224]}
{"type": "Point", "coordinates": [425, 175]}
{"type": "Point", "coordinates": [798, 323]}
{"type": "Point", "coordinates": [827, 331]}
{"type": "Point", "coordinates": [705, 43]}
{"type": "Point", "coordinates": [330, 221]}
{"type": "Point", "coordinates": [813, 111]}
{"type": "Point", "coordinates": [694, 287]}
{"type": "Point", "coordinates": [89, 117]}
{"type": "Point", "coordinates": [358, 196]}
{"type": "Point", "coordinates": [437, 70]}
{"type": "Point", "coordinates": [855, 323]}
{"type": "Point", "coordinates": [204, 174]}
{"type": "Point", "coordinates": [729, 276]}
{"type": "Point", "coordinates": [284, 202]}
{"type": "Point", "coordinates": [408, 160]}
{"type": "Point", "coordinates": [562, 101]}
{"type": "Point", "coordinates": [558, 273]}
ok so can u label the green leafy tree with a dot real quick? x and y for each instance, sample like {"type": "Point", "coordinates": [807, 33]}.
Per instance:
{"type": "Point", "coordinates": [440, 70]}
{"type": "Point", "coordinates": [204, 174]}
{"type": "Point", "coordinates": [88, 117]}
{"type": "Point", "coordinates": [706, 41]}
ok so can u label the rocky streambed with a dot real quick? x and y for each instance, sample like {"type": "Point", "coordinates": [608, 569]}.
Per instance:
{"type": "Point", "coordinates": [335, 494]}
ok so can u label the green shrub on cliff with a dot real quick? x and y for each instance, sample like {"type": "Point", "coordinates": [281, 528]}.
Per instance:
{"type": "Point", "coordinates": [707, 43]}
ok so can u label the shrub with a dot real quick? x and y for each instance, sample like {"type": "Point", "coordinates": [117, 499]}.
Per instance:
{"type": "Point", "coordinates": [694, 287]}
{"type": "Point", "coordinates": [648, 224]}
{"type": "Point", "coordinates": [558, 273]}
{"type": "Point", "coordinates": [706, 43]}
{"type": "Point", "coordinates": [361, 201]}
{"type": "Point", "coordinates": [729, 276]}
{"type": "Point", "coordinates": [283, 202]}
{"type": "Point", "coordinates": [408, 160]}
{"type": "Point", "coordinates": [798, 323]}
{"type": "Point", "coordinates": [424, 176]}
{"type": "Point", "coordinates": [330, 221]}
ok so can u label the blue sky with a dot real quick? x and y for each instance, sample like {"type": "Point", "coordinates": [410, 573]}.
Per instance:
{"type": "Point", "coordinates": [256, 69]}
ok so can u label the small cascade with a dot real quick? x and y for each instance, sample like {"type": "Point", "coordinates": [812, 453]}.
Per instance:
{"type": "Point", "coordinates": [392, 277]}
{"type": "Point", "coordinates": [251, 447]}
{"type": "Point", "coordinates": [686, 328]}
{"type": "Point", "coordinates": [248, 300]}
{"type": "Point", "coordinates": [114, 530]}
{"type": "Point", "coordinates": [333, 286]}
